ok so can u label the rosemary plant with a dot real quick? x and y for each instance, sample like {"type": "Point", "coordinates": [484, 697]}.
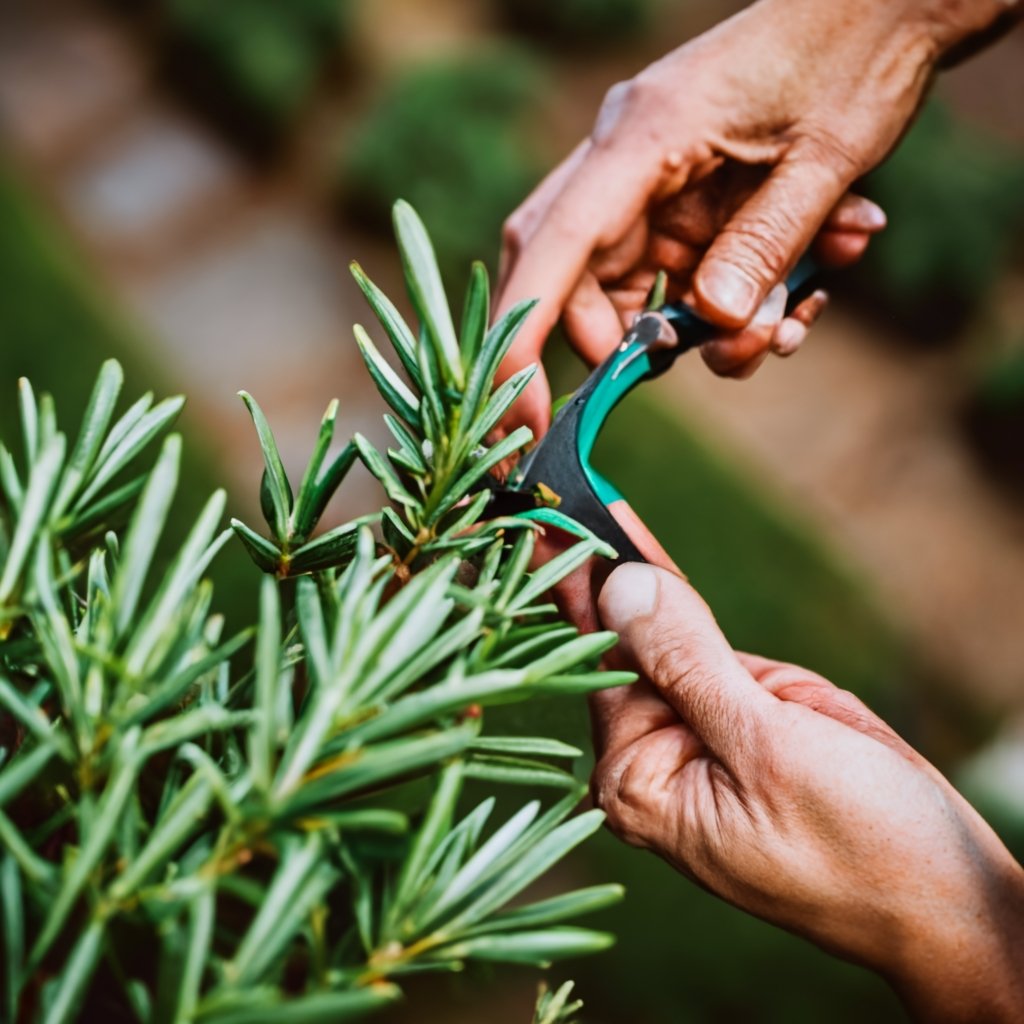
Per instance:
{"type": "Point", "coordinates": [267, 826]}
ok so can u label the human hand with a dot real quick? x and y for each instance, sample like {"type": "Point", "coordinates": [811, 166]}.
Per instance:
{"type": "Point", "coordinates": [721, 163]}
{"type": "Point", "coordinates": [786, 796]}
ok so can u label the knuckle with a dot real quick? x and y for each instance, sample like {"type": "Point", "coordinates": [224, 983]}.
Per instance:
{"type": "Point", "coordinates": [758, 242]}
{"type": "Point", "coordinates": [512, 232]}
{"type": "Point", "coordinates": [620, 102]}
{"type": "Point", "coordinates": [619, 95]}
{"type": "Point", "coordinates": [833, 155]}
{"type": "Point", "coordinates": [614, 791]}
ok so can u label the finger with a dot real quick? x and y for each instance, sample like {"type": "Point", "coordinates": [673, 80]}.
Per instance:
{"type": "Point", "coordinates": [591, 321]}
{"type": "Point", "coordinates": [675, 257]}
{"type": "Point", "coordinates": [840, 248]}
{"type": "Point", "coordinates": [576, 595]}
{"type": "Point", "coordinates": [668, 633]}
{"type": "Point", "coordinates": [622, 715]}
{"type": "Point", "coordinates": [798, 685]}
{"type": "Point", "coordinates": [581, 219]}
{"type": "Point", "coordinates": [848, 231]}
{"type": "Point", "coordinates": [645, 541]}
{"type": "Point", "coordinates": [533, 407]}
{"type": "Point", "coordinates": [614, 262]}
{"type": "Point", "coordinates": [520, 226]}
{"type": "Point", "coordinates": [766, 236]}
{"type": "Point", "coordinates": [637, 787]}
{"type": "Point", "coordinates": [740, 354]}
{"type": "Point", "coordinates": [857, 214]}
{"type": "Point", "coordinates": [792, 332]}
{"type": "Point", "coordinates": [773, 675]}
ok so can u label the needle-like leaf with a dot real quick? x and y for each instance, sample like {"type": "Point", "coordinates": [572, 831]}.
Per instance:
{"type": "Point", "coordinates": [402, 338]}
{"type": "Point", "coordinates": [33, 512]}
{"type": "Point", "coordinates": [476, 314]}
{"type": "Point", "coordinates": [144, 532]}
{"type": "Point", "coordinates": [539, 948]}
{"type": "Point", "coordinates": [134, 439]}
{"type": "Point", "coordinates": [426, 290]}
{"type": "Point", "coordinates": [278, 487]}
{"type": "Point", "coordinates": [391, 387]}
{"type": "Point", "coordinates": [307, 487]}
{"type": "Point", "coordinates": [94, 427]}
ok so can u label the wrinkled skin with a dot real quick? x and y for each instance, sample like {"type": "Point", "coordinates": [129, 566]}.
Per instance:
{"type": "Point", "coordinates": [772, 788]}
{"type": "Point", "coordinates": [721, 163]}
{"type": "Point", "coordinates": [761, 781]}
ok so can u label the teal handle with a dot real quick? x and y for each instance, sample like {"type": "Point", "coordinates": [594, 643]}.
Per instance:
{"type": "Point", "coordinates": [635, 360]}
{"type": "Point", "coordinates": [629, 366]}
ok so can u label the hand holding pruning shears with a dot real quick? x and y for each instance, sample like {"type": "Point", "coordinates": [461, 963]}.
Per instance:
{"type": "Point", "coordinates": [762, 781]}
{"type": "Point", "coordinates": [721, 163]}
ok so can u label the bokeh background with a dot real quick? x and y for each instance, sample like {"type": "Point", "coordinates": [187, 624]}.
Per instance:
{"type": "Point", "coordinates": [182, 184]}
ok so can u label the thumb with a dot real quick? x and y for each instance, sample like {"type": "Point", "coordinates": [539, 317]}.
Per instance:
{"type": "Point", "coordinates": [766, 236]}
{"type": "Point", "coordinates": [669, 635]}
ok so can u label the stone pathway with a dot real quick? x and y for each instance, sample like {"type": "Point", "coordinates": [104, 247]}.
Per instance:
{"type": "Point", "coordinates": [242, 283]}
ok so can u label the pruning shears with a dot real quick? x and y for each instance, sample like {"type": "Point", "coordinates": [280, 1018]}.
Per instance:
{"type": "Point", "coordinates": [556, 479]}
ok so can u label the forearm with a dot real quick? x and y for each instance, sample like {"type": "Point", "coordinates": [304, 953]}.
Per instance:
{"type": "Point", "coordinates": [969, 968]}
{"type": "Point", "coordinates": [959, 24]}
{"type": "Point", "coordinates": [946, 30]}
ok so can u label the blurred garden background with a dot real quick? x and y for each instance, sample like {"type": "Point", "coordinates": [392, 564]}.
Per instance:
{"type": "Point", "coordinates": [183, 183]}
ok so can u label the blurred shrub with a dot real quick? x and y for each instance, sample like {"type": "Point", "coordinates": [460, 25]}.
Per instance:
{"type": "Point", "coordinates": [451, 137]}
{"type": "Point", "coordinates": [955, 199]}
{"type": "Point", "coordinates": [995, 418]}
{"type": "Point", "coordinates": [579, 23]}
{"type": "Point", "coordinates": [252, 64]}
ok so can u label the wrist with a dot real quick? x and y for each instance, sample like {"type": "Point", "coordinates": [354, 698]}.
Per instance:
{"type": "Point", "coordinates": [932, 28]}
{"type": "Point", "coordinates": [967, 965]}
{"type": "Point", "coordinates": [953, 25]}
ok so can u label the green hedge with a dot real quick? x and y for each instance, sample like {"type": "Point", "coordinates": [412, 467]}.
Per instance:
{"type": "Point", "coordinates": [253, 64]}
{"type": "Point", "coordinates": [955, 200]}
{"type": "Point", "coordinates": [578, 24]}
{"type": "Point", "coordinates": [453, 137]}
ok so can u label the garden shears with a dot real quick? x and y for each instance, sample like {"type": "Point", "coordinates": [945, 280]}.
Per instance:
{"type": "Point", "coordinates": [556, 478]}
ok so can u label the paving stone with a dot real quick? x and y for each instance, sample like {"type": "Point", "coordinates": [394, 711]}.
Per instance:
{"type": "Point", "coordinates": [62, 75]}
{"type": "Point", "coordinates": [151, 173]}
{"type": "Point", "coordinates": [269, 310]}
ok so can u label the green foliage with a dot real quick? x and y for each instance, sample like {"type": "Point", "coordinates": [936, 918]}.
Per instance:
{"type": "Point", "coordinates": [948, 259]}
{"type": "Point", "coordinates": [1001, 386]}
{"type": "Point", "coordinates": [456, 138]}
{"type": "Point", "coordinates": [58, 327]}
{"type": "Point", "coordinates": [266, 54]}
{"type": "Point", "coordinates": [775, 589]}
{"type": "Point", "coordinates": [265, 826]}
{"type": "Point", "coordinates": [994, 416]}
{"type": "Point", "coordinates": [578, 23]}
{"type": "Point", "coordinates": [557, 1007]}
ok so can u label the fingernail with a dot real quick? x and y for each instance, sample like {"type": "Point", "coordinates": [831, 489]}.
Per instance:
{"type": "Point", "coordinates": [770, 311]}
{"type": "Point", "coordinates": [789, 336]}
{"type": "Point", "coordinates": [630, 594]}
{"type": "Point", "coordinates": [730, 291]}
{"type": "Point", "coordinates": [874, 215]}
